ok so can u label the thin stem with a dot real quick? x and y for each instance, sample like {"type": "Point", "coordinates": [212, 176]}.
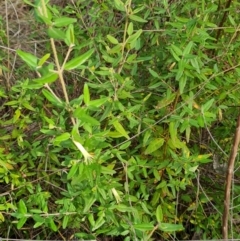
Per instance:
{"type": "Point", "coordinates": [229, 180]}
{"type": "Point", "coordinates": [59, 68]}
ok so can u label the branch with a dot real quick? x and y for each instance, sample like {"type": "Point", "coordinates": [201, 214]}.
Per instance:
{"type": "Point", "coordinates": [229, 180]}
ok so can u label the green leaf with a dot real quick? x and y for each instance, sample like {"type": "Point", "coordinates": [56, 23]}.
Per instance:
{"type": "Point", "coordinates": [85, 118]}
{"type": "Point", "coordinates": [28, 106]}
{"type": "Point", "coordinates": [52, 225]}
{"type": "Point", "coordinates": [40, 13]}
{"type": "Point", "coordinates": [38, 218]}
{"type": "Point", "coordinates": [100, 221]}
{"type": "Point", "coordinates": [64, 21]}
{"type": "Point", "coordinates": [125, 145]}
{"type": "Point", "coordinates": [72, 171]}
{"type": "Point", "coordinates": [36, 211]}
{"type": "Point", "coordinates": [89, 201]}
{"type": "Point", "coordinates": [188, 48]}
{"type": "Point", "coordinates": [98, 102]}
{"type": "Point", "coordinates": [137, 18]}
{"type": "Point", "coordinates": [112, 39]}
{"type": "Point", "coordinates": [91, 219]}
{"type": "Point", "coordinates": [182, 83]}
{"type": "Point", "coordinates": [21, 222]}
{"type": "Point", "coordinates": [70, 38]}
{"type": "Point", "coordinates": [176, 50]}
{"type": "Point", "coordinates": [159, 214]}
{"type": "Point", "coordinates": [76, 62]}
{"type": "Point", "coordinates": [86, 94]}
{"type": "Point", "coordinates": [28, 58]}
{"type": "Point", "coordinates": [195, 64]}
{"type": "Point", "coordinates": [114, 134]}
{"type": "Point", "coordinates": [134, 37]}
{"type": "Point", "coordinates": [120, 129]}
{"type": "Point", "coordinates": [153, 73]}
{"type": "Point", "coordinates": [107, 170]}
{"type": "Point", "coordinates": [166, 101]}
{"type": "Point", "coordinates": [43, 60]}
{"type": "Point", "coordinates": [192, 169]}
{"type": "Point", "coordinates": [168, 227]}
{"type": "Point", "coordinates": [181, 66]}
{"type": "Point", "coordinates": [22, 207]}
{"type": "Point", "coordinates": [154, 145]}
{"type": "Point", "coordinates": [52, 98]}
{"type": "Point", "coordinates": [63, 137]}
{"type": "Point", "coordinates": [38, 224]}
{"type": "Point", "coordinates": [65, 221]}
{"type": "Point", "coordinates": [130, 29]}
{"type": "Point", "coordinates": [46, 79]}
{"type": "Point", "coordinates": [123, 208]}
{"type": "Point", "coordinates": [119, 5]}
{"type": "Point", "coordinates": [56, 33]}
{"type": "Point", "coordinates": [131, 58]}
{"type": "Point", "coordinates": [144, 227]}
{"type": "Point", "coordinates": [188, 132]}
{"type": "Point", "coordinates": [207, 105]}
{"type": "Point", "coordinates": [146, 210]}
{"type": "Point", "coordinates": [146, 137]}
{"type": "Point", "coordinates": [116, 49]}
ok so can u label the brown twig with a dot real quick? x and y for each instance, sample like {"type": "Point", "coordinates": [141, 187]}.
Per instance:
{"type": "Point", "coordinates": [228, 3]}
{"type": "Point", "coordinates": [229, 180]}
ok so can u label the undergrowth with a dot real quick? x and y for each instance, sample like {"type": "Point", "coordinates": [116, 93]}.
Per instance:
{"type": "Point", "coordinates": [112, 113]}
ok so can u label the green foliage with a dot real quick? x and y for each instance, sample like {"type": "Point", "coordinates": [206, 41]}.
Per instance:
{"type": "Point", "coordinates": [107, 139]}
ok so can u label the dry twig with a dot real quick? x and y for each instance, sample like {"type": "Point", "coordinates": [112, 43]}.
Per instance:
{"type": "Point", "coordinates": [229, 180]}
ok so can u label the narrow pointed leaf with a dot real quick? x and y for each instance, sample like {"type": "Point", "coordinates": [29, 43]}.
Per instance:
{"type": "Point", "coordinates": [168, 227]}
{"type": "Point", "coordinates": [144, 227]}
{"type": "Point", "coordinates": [86, 94]}
{"type": "Point", "coordinates": [21, 222]}
{"type": "Point", "coordinates": [88, 203]}
{"type": "Point", "coordinates": [22, 207]}
{"type": "Point", "coordinates": [56, 33]}
{"type": "Point", "coordinates": [50, 97]}
{"type": "Point", "coordinates": [207, 105]}
{"type": "Point", "coordinates": [159, 214]}
{"type": "Point", "coordinates": [137, 18]}
{"type": "Point", "coordinates": [120, 129]}
{"type": "Point", "coordinates": [85, 118]}
{"type": "Point", "coordinates": [76, 62]}
{"type": "Point", "coordinates": [28, 58]}
{"type": "Point", "coordinates": [64, 21]}
{"type": "Point", "coordinates": [154, 145]}
{"type": "Point", "coordinates": [49, 78]}
{"type": "Point", "coordinates": [43, 60]}
{"type": "Point", "coordinates": [134, 37]}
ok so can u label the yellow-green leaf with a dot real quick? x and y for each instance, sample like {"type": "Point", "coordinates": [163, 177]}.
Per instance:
{"type": "Point", "coordinates": [130, 28]}
{"type": "Point", "coordinates": [86, 94]}
{"type": "Point", "coordinates": [112, 39]}
{"type": "Point", "coordinates": [137, 18]}
{"type": "Point", "coordinates": [144, 227]}
{"type": "Point", "coordinates": [64, 21]}
{"type": "Point", "coordinates": [159, 214]}
{"type": "Point", "coordinates": [43, 60]}
{"type": "Point", "coordinates": [168, 227]}
{"type": "Point", "coordinates": [28, 58]}
{"type": "Point", "coordinates": [154, 145]}
{"type": "Point", "coordinates": [120, 129]}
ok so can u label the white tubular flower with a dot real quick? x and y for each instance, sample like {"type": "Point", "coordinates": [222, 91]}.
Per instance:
{"type": "Point", "coordinates": [116, 195]}
{"type": "Point", "coordinates": [87, 156]}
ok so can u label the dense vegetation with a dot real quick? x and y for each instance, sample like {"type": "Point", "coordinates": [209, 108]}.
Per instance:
{"type": "Point", "coordinates": [117, 118]}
